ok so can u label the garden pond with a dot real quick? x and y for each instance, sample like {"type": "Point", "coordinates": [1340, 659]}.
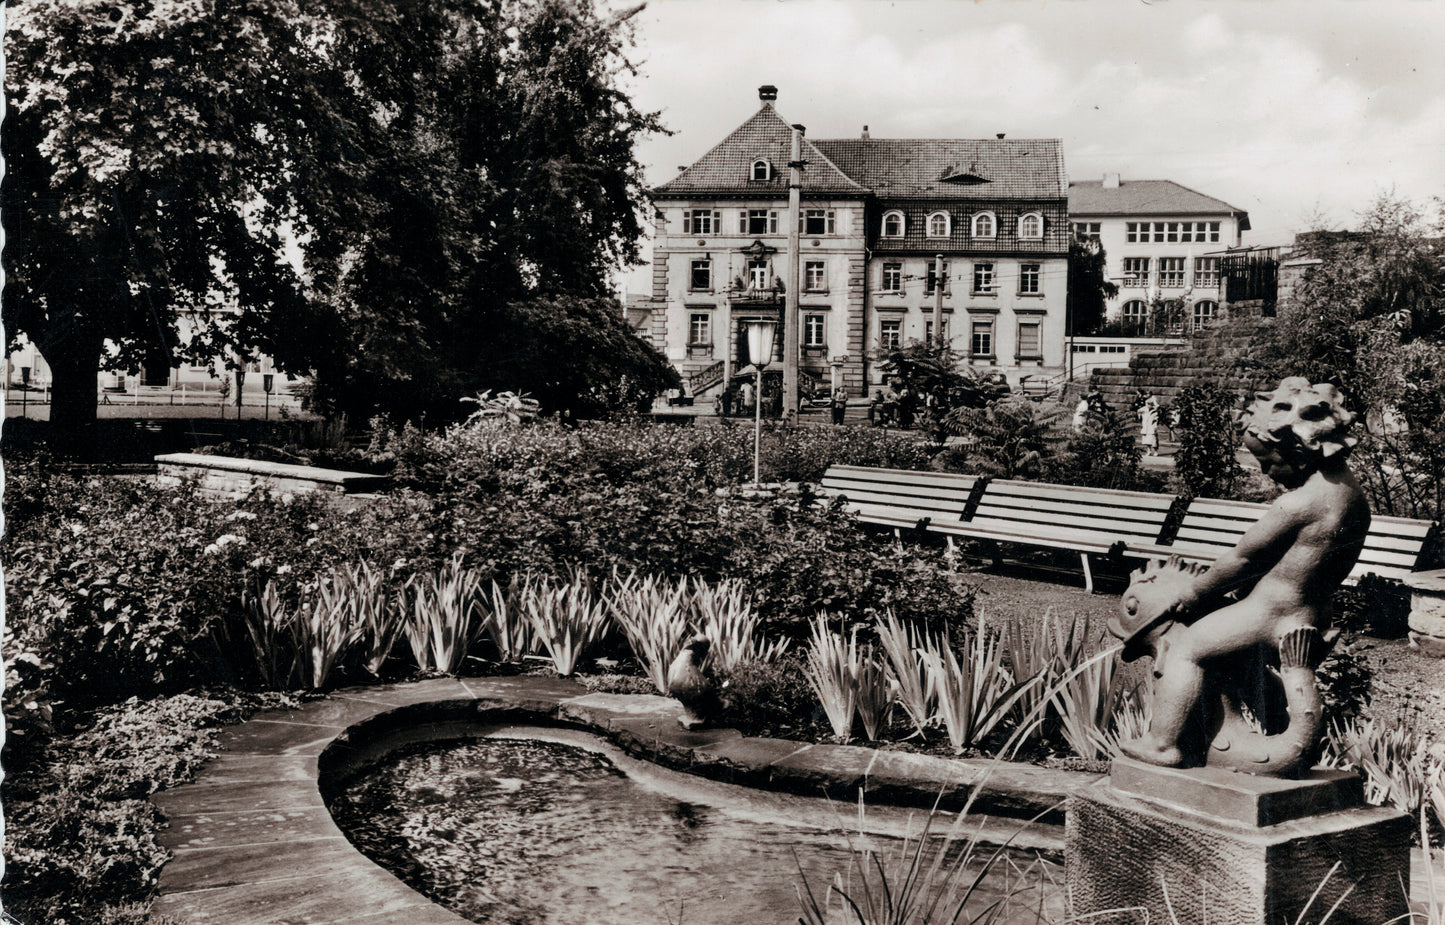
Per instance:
{"type": "Point", "coordinates": [544, 825]}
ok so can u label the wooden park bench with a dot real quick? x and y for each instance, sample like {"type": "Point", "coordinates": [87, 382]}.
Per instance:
{"type": "Point", "coordinates": [1089, 521]}
{"type": "Point", "coordinates": [1393, 547]}
{"type": "Point", "coordinates": [901, 498]}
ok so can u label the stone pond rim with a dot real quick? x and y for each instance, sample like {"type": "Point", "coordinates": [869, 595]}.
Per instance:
{"type": "Point", "coordinates": [252, 840]}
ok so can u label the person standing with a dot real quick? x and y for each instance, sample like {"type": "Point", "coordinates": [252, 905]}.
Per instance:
{"type": "Point", "coordinates": [1149, 425]}
{"type": "Point", "coordinates": [746, 396]}
{"type": "Point", "coordinates": [839, 404]}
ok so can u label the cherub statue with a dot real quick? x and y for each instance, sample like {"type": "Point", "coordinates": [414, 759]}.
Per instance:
{"type": "Point", "coordinates": [1212, 653]}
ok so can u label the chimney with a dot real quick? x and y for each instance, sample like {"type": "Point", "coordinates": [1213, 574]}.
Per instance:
{"type": "Point", "coordinates": [800, 129]}
{"type": "Point", "coordinates": [865, 133]}
{"type": "Point", "coordinates": [1000, 136]}
{"type": "Point", "coordinates": [1111, 181]}
{"type": "Point", "coordinates": [767, 93]}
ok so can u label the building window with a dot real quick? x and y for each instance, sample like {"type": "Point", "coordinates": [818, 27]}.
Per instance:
{"type": "Point", "coordinates": [928, 330]}
{"type": "Point", "coordinates": [699, 329]}
{"type": "Point", "coordinates": [893, 224]}
{"type": "Point", "coordinates": [981, 339]}
{"type": "Point", "coordinates": [1131, 232]}
{"type": "Point", "coordinates": [815, 276]}
{"type": "Point", "coordinates": [1030, 342]}
{"type": "Point", "coordinates": [1136, 313]}
{"type": "Point", "coordinates": [892, 277]}
{"type": "Point", "coordinates": [1204, 313]}
{"type": "Point", "coordinates": [762, 170]}
{"type": "Point", "coordinates": [982, 278]}
{"type": "Point", "coordinates": [1031, 227]}
{"type": "Point", "coordinates": [984, 225]}
{"type": "Point", "coordinates": [702, 221]}
{"type": "Point", "coordinates": [701, 277]}
{"type": "Point", "coordinates": [758, 221]}
{"type": "Point", "coordinates": [758, 274]}
{"type": "Point", "coordinates": [1136, 272]}
{"type": "Point", "coordinates": [1028, 279]}
{"type": "Point", "coordinates": [818, 221]}
{"type": "Point", "coordinates": [814, 329]}
{"type": "Point", "coordinates": [1171, 272]}
{"type": "Point", "coordinates": [890, 333]}
{"type": "Point", "coordinates": [1206, 272]}
{"type": "Point", "coordinates": [1087, 229]}
{"type": "Point", "coordinates": [933, 271]}
{"type": "Point", "coordinates": [938, 225]}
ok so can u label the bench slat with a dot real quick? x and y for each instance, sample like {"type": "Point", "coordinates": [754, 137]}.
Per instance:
{"type": "Point", "coordinates": [1043, 510]}
{"type": "Point", "coordinates": [1077, 494]}
{"type": "Point", "coordinates": [1119, 529]}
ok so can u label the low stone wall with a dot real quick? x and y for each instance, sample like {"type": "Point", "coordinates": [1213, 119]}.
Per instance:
{"type": "Point", "coordinates": [230, 477]}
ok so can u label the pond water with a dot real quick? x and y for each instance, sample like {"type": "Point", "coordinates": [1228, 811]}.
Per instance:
{"type": "Point", "coordinates": [550, 826]}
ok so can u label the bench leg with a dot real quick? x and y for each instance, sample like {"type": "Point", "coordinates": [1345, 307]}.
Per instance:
{"type": "Point", "coordinates": [1088, 573]}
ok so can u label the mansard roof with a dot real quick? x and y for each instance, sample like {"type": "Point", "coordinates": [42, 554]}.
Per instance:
{"type": "Point", "coordinates": [726, 169]}
{"type": "Point", "coordinates": [889, 168]}
{"type": "Point", "coordinates": [1146, 197]}
{"type": "Point", "coordinates": [952, 168]}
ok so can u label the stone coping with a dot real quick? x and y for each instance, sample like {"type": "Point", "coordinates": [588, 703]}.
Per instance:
{"type": "Point", "coordinates": [253, 842]}
{"type": "Point", "coordinates": [336, 479]}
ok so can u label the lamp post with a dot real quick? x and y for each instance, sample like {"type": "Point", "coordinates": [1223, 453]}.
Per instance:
{"type": "Point", "coordinates": [266, 380]}
{"type": "Point", "coordinates": [25, 391]}
{"type": "Point", "coordinates": [760, 350]}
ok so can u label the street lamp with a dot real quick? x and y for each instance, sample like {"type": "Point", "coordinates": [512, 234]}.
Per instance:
{"type": "Point", "coordinates": [266, 382]}
{"type": "Point", "coordinates": [760, 350]}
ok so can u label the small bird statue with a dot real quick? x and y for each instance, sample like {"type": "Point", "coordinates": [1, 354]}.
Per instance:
{"type": "Point", "coordinates": [690, 680]}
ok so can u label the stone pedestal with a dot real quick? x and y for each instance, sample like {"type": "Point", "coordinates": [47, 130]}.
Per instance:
{"type": "Point", "coordinates": [1206, 845]}
{"type": "Point", "coordinates": [1427, 611]}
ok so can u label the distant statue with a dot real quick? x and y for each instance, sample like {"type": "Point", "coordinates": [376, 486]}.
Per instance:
{"type": "Point", "coordinates": [692, 684]}
{"type": "Point", "coordinates": [1149, 425]}
{"type": "Point", "coordinates": [1219, 661]}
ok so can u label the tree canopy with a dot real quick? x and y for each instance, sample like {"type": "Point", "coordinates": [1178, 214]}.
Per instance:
{"type": "Point", "coordinates": [375, 191]}
{"type": "Point", "coordinates": [1089, 286]}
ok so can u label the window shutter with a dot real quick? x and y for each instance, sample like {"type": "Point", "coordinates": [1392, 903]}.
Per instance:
{"type": "Point", "coordinates": [832, 222]}
{"type": "Point", "coordinates": [772, 222]}
{"type": "Point", "coordinates": [686, 222]}
{"type": "Point", "coordinates": [717, 221]}
{"type": "Point", "coordinates": [743, 222]}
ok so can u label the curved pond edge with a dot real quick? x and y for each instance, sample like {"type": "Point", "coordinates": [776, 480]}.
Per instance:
{"type": "Point", "coordinates": [252, 841]}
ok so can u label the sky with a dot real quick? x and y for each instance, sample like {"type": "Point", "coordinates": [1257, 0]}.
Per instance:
{"type": "Point", "coordinates": [1300, 112]}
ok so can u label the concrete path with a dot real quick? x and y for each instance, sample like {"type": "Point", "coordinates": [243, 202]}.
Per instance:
{"type": "Point", "coordinates": [253, 841]}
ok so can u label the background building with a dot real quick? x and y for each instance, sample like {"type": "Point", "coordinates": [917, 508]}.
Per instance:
{"type": "Point", "coordinates": [876, 215]}
{"type": "Point", "coordinates": [1162, 240]}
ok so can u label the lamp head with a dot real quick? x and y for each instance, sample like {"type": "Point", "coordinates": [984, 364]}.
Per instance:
{"type": "Point", "coordinates": [760, 341]}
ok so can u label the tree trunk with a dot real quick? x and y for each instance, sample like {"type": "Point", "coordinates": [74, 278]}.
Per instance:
{"type": "Point", "coordinates": [74, 363]}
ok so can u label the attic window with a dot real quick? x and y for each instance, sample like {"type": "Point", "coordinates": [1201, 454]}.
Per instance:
{"type": "Point", "coordinates": [893, 224]}
{"type": "Point", "coordinates": [963, 175]}
{"type": "Point", "coordinates": [762, 170]}
{"type": "Point", "coordinates": [938, 225]}
{"type": "Point", "coordinates": [984, 225]}
{"type": "Point", "coordinates": [1031, 226]}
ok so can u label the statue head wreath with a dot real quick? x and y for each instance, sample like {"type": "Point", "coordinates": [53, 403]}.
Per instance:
{"type": "Point", "coordinates": [1312, 418]}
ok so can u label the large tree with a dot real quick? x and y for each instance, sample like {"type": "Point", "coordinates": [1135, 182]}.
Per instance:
{"type": "Point", "coordinates": [510, 195]}
{"type": "Point", "coordinates": [158, 154]}
{"type": "Point", "coordinates": [438, 166]}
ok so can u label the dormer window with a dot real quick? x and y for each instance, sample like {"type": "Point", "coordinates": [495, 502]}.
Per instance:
{"type": "Point", "coordinates": [762, 170]}
{"type": "Point", "coordinates": [984, 225]}
{"type": "Point", "coordinates": [893, 224]}
{"type": "Point", "coordinates": [938, 225]}
{"type": "Point", "coordinates": [1031, 227]}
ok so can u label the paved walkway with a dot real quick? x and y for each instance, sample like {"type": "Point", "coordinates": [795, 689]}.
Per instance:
{"type": "Point", "coordinates": [253, 841]}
